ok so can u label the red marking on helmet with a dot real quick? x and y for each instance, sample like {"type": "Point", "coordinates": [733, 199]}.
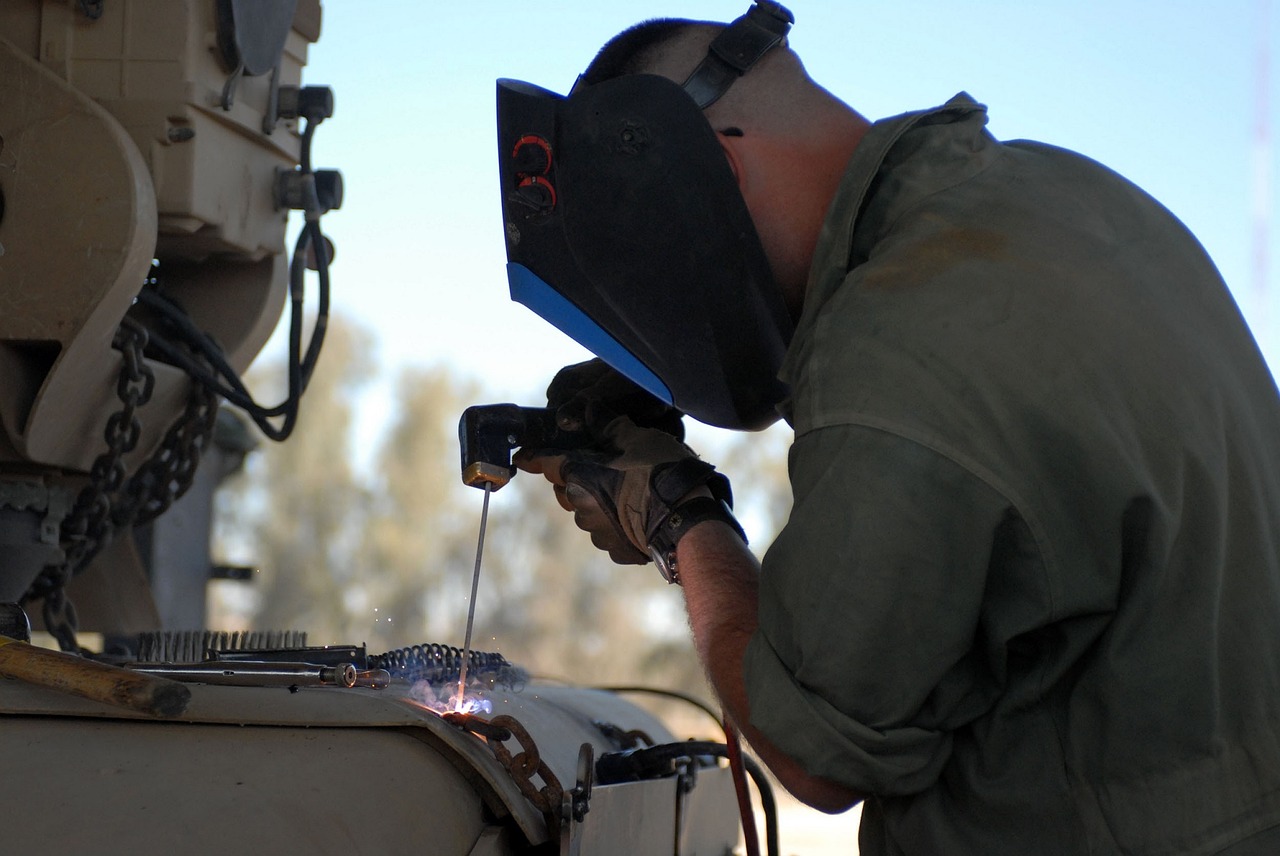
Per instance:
{"type": "Point", "coordinates": [533, 140]}
{"type": "Point", "coordinates": [539, 181]}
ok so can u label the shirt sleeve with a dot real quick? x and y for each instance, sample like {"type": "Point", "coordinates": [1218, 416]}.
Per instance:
{"type": "Point", "coordinates": [872, 646]}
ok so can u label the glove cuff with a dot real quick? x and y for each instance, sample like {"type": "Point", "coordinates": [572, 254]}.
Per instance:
{"type": "Point", "coordinates": [662, 545]}
{"type": "Point", "coordinates": [672, 482]}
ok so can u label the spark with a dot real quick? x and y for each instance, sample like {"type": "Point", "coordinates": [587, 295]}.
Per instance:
{"type": "Point", "coordinates": [424, 694]}
{"type": "Point", "coordinates": [472, 704]}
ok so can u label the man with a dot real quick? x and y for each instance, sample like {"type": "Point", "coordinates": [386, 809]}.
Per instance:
{"type": "Point", "coordinates": [1027, 598]}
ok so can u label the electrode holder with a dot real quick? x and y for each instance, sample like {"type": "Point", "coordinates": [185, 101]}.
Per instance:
{"type": "Point", "coordinates": [488, 433]}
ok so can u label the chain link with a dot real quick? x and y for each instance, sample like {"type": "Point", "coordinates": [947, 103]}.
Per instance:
{"type": "Point", "coordinates": [169, 473]}
{"type": "Point", "coordinates": [110, 501]}
{"type": "Point", "coordinates": [88, 526]}
{"type": "Point", "coordinates": [523, 766]}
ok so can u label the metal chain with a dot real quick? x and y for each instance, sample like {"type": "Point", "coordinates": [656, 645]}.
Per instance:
{"type": "Point", "coordinates": [60, 618]}
{"type": "Point", "coordinates": [523, 766]}
{"type": "Point", "coordinates": [110, 501]}
{"type": "Point", "coordinates": [86, 528]}
{"type": "Point", "coordinates": [169, 473]}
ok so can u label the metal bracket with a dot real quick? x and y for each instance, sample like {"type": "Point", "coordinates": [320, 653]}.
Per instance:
{"type": "Point", "coordinates": [580, 795]}
{"type": "Point", "coordinates": [55, 502]}
{"type": "Point", "coordinates": [272, 114]}
{"type": "Point", "coordinates": [576, 803]}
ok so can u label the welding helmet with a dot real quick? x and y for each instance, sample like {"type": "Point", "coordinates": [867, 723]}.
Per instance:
{"type": "Point", "coordinates": [625, 229]}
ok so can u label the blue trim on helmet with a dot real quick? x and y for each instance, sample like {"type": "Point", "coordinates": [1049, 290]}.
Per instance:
{"type": "Point", "coordinates": [534, 292]}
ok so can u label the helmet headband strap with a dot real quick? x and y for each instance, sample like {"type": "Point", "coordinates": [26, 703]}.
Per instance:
{"type": "Point", "coordinates": [738, 47]}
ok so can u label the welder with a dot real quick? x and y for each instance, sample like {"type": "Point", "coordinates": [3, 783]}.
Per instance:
{"type": "Point", "coordinates": [1026, 600]}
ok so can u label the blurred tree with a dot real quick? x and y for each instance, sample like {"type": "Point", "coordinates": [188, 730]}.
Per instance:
{"type": "Point", "coordinates": [420, 533]}
{"type": "Point", "coordinates": [305, 506]}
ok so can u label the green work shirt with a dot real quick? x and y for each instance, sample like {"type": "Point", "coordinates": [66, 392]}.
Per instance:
{"type": "Point", "coordinates": [1028, 597]}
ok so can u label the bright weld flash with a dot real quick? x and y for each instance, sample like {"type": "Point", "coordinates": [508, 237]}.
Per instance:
{"type": "Point", "coordinates": [424, 694]}
{"type": "Point", "coordinates": [471, 704]}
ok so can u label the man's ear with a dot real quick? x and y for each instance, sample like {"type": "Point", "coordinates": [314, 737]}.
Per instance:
{"type": "Point", "coordinates": [729, 142]}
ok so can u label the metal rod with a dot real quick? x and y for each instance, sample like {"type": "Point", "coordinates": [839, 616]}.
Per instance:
{"type": "Point", "coordinates": [254, 674]}
{"type": "Point", "coordinates": [475, 585]}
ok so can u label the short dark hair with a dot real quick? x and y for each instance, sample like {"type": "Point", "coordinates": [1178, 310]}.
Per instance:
{"type": "Point", "coordinates": [628, 52]}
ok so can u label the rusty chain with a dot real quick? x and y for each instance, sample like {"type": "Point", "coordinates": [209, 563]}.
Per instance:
{"type": "Point", "coordinates": [523, 766]}
{"type": "Point", "coordinates": [110, 501]}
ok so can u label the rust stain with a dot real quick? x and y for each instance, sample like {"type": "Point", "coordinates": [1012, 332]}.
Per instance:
{"type": "Point", "coordinates": [938, 253]}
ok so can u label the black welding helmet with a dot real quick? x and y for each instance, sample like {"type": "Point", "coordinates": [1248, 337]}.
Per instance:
{"type": "Point", "coordinates": [626, 230]}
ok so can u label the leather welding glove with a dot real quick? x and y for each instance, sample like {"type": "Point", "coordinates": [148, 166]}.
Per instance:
{"type": "Point", "coordinates": [593, 392]}
{"type": "Point", "coordinates": [622, 500]}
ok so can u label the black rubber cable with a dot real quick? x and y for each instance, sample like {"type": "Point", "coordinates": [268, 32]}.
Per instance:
{"type": "Point", "coordinates": [223, 380]}
{"type": "Point", "coordinates": [767, 802]}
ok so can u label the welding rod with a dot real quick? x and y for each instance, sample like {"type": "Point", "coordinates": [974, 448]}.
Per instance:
{"type": "Point", "coordinates": [254, 674]}
{"type": "Point", "coordinates": [95, 681]}
{"type": "Point", "coordinates": [475, 586]}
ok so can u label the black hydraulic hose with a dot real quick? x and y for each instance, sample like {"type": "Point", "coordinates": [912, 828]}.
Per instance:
{"type": "Point", "coordinates": [649, 759]}
{"type": "Point", "coordinates": [219, 376]}
{"type": "Point", "coordinates": [705, 747]}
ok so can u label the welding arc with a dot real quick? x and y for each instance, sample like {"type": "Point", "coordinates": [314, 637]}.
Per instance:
{"type": "Point", "coordinates": [475, 585]}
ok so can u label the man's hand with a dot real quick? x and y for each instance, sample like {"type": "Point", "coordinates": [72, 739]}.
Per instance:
{"type": "Point", "coordinates": [622, 498]}
{"type": "Point", "coordinates": [592, 393]}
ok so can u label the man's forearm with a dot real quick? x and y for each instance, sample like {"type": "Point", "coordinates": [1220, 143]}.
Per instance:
{"type": "Point", "coordinates": [720, 577]}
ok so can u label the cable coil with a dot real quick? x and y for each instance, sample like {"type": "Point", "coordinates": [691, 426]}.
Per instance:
{"type": "Point", "coordinates": [442, 665]}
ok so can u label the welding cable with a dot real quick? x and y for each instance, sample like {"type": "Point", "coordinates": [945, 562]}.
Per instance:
{"type": "Point", "coordinates": [679, 696]}
{"type": "Point", "coordinates": [767, 803]}
{"type": "Point", "coordinates": [734, 747]}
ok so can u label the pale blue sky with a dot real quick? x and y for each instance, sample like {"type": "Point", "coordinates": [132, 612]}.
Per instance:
{"type": "Point", "coordinates": [1163, 91]}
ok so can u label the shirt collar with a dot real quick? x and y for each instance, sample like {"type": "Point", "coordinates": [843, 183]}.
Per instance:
{"type": "Point", "coordinates": [835, 252]}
